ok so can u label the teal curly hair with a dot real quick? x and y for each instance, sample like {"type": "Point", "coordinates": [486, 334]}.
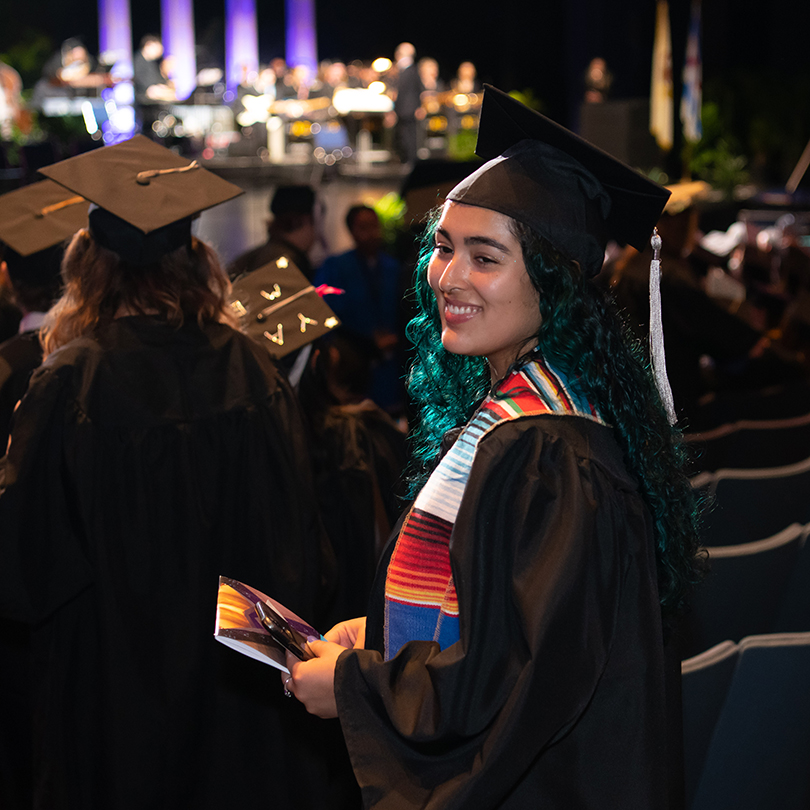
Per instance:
{"type": "Point", "coordinates": [582, 336]}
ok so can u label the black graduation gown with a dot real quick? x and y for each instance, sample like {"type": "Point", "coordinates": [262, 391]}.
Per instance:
{"type": "Point", "coordinates": [19, 356]}
{"type": "Point", "coordinates": [359, 459]}
{"type": "Point", "coordinates": [143, 464]}
{"type": "Point", "coordinates": [554, 696]}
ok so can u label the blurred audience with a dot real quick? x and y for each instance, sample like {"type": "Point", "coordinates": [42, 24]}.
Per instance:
{"type": "Point", "coordinates": [713, 342]}
{"type": "Point", "coordinates": [371, 281]}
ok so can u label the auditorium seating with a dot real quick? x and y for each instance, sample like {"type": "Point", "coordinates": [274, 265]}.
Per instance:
{"type": "Point", "coordinates": [747, 505]}
{"type": "Point", "coordinates": [743, 593]}
{"type": "Point", "coordinates": [705, 681]}
{"type": "Point", "coordinates": [751, 444]}
{"type": "Point", "coordinates": [746, 710]}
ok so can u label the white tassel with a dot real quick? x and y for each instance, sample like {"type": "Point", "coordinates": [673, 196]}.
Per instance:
{"type": "Point", "coordinates": [659, 360]}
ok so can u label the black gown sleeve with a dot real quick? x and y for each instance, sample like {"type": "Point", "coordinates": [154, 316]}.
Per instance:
{"type": "Point", "coordinates": [38, 540]}
{"type": "Point", "coordinates": [559, 649]}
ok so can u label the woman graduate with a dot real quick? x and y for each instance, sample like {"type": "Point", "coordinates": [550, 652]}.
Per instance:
{"type": "Point", "coordinates": [513, 655]}
{"type": "Point", "coordinates": [156, 449]}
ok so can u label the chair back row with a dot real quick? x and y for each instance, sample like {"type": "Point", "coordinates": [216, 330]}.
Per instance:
{"type": "Point", "coordinates": [743, 505]}
{"type": "Point", "coordinates": [751, 444]}
{"type": "Point", "coordinates": [746, 714]}
{"type": "Point", "coordinates": [752, 588]}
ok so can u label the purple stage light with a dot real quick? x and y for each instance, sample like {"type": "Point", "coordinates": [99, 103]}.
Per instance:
{"type": "Point", "coordinates": [241, 42]}
{"type": "Point", "coordinates": [117, 123]}
{"type": "Point", "coordinates": [301, 34]}
{"type": "Point", "coordinates": [177, 32]}
{"type": "Point", "coordinates": [115, 32]}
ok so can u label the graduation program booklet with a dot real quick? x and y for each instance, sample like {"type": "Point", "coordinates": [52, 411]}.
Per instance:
{"type": "Point", "coordinates": [255, 625]}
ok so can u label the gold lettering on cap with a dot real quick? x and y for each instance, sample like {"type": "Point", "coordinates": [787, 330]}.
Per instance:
{"type": "Point", "coordinates": [273, 295]}
{"type": "Point", "coordinates": [305, 322]}
{"type": "Point", "coordinates": [277, 337]}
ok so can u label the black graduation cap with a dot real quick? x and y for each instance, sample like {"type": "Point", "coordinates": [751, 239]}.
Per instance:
{"type": "Point", "coordinates": [34, 221]}
{"type": "Point", "coordinates": [566, 189]}
{"type": "Point", "coordinates": [146, 196]}
{"type": "Point", "coordinates": [297, 199]}
{"type": "Point", "coordinates": [278, 307]}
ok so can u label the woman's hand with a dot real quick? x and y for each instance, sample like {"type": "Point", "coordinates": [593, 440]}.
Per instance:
{"type": "Point", "coordinates": [350, 634]}
{"type": "Point", "coordinates": [313, 681]}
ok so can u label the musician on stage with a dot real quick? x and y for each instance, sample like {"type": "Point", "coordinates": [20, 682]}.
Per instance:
{"type": "Point", "coordinates": [71, 72]}
{"type": "Point", "coordinates": [151, 83]}
{"type": "Point", "coordinates": [153, 89]}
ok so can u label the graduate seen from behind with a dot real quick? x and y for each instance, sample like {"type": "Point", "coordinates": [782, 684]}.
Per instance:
{"type": "Point", "coordinates": [35, 221]}
{"type": "Point", "coordinates": [156, 448]}
{"type": "Point", "coordinates": [514, 652]}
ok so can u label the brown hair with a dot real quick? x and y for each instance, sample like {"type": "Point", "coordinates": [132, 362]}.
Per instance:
{"type": "Point", "coordinates": [187, 283]}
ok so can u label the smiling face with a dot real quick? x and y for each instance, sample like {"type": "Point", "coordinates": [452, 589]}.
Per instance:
{"type": "Point", "coordinates": [487, 302]}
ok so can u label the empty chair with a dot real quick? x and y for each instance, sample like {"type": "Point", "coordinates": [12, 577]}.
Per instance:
{"type": "Point", "coordinates": [759, 754]}
{"type": "Point", "coordinates": [743, 592]}
{"type": "Point", "coordinates": [747, 505]}
{"type": "Point", "coordinates": [794, 609]}
{"type": "Point", "coordinates": [704, 685]}
{"type": "Point", "coordinates": [751, 444]}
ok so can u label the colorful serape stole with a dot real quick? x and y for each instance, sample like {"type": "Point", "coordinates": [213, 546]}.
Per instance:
{"type": "Point", "coordinates": [420, 597]}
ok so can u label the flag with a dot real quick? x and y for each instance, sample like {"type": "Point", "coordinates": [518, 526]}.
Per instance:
{"type": "Point", "coordinates": [692, 96]}
{"type": "Point", "coordinates": [661, 95]}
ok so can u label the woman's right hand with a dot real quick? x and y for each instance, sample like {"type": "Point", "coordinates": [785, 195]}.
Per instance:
{"type": "Point", "coordinates": [351, 633]}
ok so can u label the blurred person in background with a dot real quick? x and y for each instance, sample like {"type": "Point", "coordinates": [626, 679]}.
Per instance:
{"type": "Point", "coordinates": [407, 101]}
{"type": "Point", "coordinates": [369, 305]}
{"type": "Point", "coordinates": [291, 232]}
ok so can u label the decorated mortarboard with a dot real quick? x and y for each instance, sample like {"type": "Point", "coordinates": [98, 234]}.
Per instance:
{"type": "Point", "coordinates": [34, 221]}
{"type": "Point", "coordinates": [144, 196]}
{"type": "Point", "coordinates": [277, 306]}
{"type": "Point", "coordinates": [563, 187]}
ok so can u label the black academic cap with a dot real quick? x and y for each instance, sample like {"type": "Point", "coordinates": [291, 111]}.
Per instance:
{"type": "Point", "coordinates": [278, 307]}
{"type": "Point", "coordinates": [566, 189]}
{"type": "Point", "coordinates": [39, 216]}
{"type": "Point", "coordinates": [292, 200]}
{"type": "Point", "coordinates": [145, 195]}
